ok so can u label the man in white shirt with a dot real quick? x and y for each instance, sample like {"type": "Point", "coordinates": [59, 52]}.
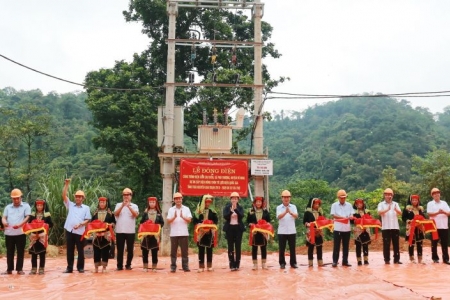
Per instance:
{"type": "Point", "coordinates": [439, 211]}
{"type": "Point", "coordinates": [286, 215]}
{"type": "Point", "coordinates": [14, 217]}
{"type": "Point", "coordinates": [77, 217]}
{"type": "Point", "coordinates": [126, 214]}
{"type": "Point", "coordinates": [389, 211]}
{"type": "Point", "coordinates": [179, 217]}
{"type": "Point", "coordinates": [342, 212]}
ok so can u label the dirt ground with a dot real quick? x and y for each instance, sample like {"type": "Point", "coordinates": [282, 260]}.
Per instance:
{"type": "Point", "coordinates": [375, 281]}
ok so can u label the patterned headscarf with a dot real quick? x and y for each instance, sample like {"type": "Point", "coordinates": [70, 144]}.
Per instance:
{"type": "Point", "coordinates": [201, 205]}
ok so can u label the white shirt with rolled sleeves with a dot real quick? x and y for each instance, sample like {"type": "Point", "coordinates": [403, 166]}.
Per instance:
{"type": "Point", "coordinates": [286, 225]}
{"type": "Point", "coordinates": [389, 220]}
{"type": "Point", "coordinates": [125, 221]}
{"type": "Point", "coordinates": [440, 219]}
{"type": "Point", "coordinates": [179, 227]}
{"type": "Point", "coordinates": [344, 210]}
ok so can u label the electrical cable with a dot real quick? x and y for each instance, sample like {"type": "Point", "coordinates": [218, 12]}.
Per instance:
{"type": "Point", "coordinates": [76, 83]}
{"type": "Point", "coordinates": [435, 94]}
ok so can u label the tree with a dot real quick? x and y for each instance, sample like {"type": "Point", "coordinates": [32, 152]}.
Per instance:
{"type": "Point", "coordinates": [433, 171]}
{"type": "Point", "coordinates": [32, 125]}
{"type": "Point", "coordinates": [127, 121]}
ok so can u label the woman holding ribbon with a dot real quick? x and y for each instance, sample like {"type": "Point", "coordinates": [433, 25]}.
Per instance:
{"type": "Point", "coordinates": [411, 210]}
{"type": "Point", "coordinates": [150, 231]}
{"type": "Point", "coordinates": [101, 228]}
{"type": "Point", "coordinates": [258, 218]}
{"type": "Point", "coordinates": [205, 231]}
{"type": "Point", "coordinates": [37, 227]}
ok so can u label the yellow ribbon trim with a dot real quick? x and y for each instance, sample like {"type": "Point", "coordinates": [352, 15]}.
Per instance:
{"type": "Point", "coordinates": [421, 222]}
{"type": "Point", "coordinates": [263, 231]}
{"type": "Point", "coordinates": [329, 226]}
{"type": "Point", "coordinates": [209, 226]}
{"type": "Point", "coordinates": [36, 230]}
{"type": "Point", "coordinates": [141, 235]}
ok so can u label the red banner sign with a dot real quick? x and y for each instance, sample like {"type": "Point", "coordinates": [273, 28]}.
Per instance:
{"type": "Point", "coordinates": [216, 177]}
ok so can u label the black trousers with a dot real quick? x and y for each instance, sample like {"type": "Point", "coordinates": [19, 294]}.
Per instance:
{"type": "Point", "coordinates": [360, 246]}
{"type": "Point", "coordinates": [419, 249]}
{"type": "Point", "coordinates": [145, 253]}
{"type": "Point", "coordinates": [74, 240]}
{"type": "Point", "coordinates": [15, 243]}
{"type": "Point", "coordinates": [41, 260]}
{"type": "Point", "coordinates": [255, 252]}
{"type": "Point", "coordinates": [311, 251]}
{"type": "Point", "coordinates": [443, 237]}
{"type": "Point", "coordinates": [101, 255]}
{"type": "Point", "coordinates": [338, 238]}
{"type": "Point", "coordinates": [201, 255]}
{"type": "Point", "coordinates": [391, 235]}
{"type": "Point", "coordinates": [290, 240]}
{"type": "Point", "coordinates": [121, 239]}
{"type": "Point", "coordinates": [234, 241]}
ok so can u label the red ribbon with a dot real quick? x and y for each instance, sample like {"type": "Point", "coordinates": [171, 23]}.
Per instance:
{"type": "Point", "coordinates": [320, 223]}
{"type": "Point", "coordinates": [97, 226]}
{"type": "Point", "coordinates": [35, 226]}
{"type": "Point", "coordinates": [367, 221]}
{"type": "Point", "coordinates": [262, 226]}
{"type": "Point", "coordinates": [428, 225]}
{"type": "Point", "coordinates": [206, 225]}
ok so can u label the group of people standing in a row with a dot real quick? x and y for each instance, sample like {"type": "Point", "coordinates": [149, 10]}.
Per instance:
{"type": "Point", "coordinates": [106, 226]}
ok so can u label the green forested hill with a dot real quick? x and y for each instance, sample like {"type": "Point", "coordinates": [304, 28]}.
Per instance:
{"type": "Point", "coordinates": [349, 142]}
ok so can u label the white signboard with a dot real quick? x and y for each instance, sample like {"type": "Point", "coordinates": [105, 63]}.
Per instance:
{"type": "Point", "coordinates": [262, 167]}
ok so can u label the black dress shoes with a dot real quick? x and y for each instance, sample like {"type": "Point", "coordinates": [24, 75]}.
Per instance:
{"type": "Point", "coordinates": [282, 266]}
{"type": "Point", "coordinates": [80, 270]}
{"type": "Point", "coordinates": [68, 271]}
{"type": "Point", "coordinates": [334, 265]}
{"type": "Point", "coordinates": [346, 264]}
{"type": "Point", "coordinates": [294, 266]}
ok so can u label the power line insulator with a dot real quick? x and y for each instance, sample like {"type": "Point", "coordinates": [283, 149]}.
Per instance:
{"type": "Point", "coordinates": [191, 78]}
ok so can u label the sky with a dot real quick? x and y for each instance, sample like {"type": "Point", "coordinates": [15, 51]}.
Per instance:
{"type": "Point", "coordinates": [328, 46]}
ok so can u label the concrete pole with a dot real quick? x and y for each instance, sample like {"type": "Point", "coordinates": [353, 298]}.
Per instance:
{"type": "Point", "coordinates": [258, 134]}
{"type": "Point", "coordinates": [168, 166]}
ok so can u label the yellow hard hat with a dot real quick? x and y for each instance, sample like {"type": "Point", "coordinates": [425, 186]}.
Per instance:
{"type": "Point", "coordinates": [80, 193]}
{"type": "Point", "coordinates": [127, 191]}
{"type": "Point", "coordinates": [16, 193]}
{"type": "Point", "coordinates": [388, 191]}
{"type": "Point", "coordinates": [341, 193]}
{"type": "Point", "coordinates": [434, 190]}
{"type": "Point", "coordinates": [285, 193]}
{"type": "Point", "coordinates": [234, 194]}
